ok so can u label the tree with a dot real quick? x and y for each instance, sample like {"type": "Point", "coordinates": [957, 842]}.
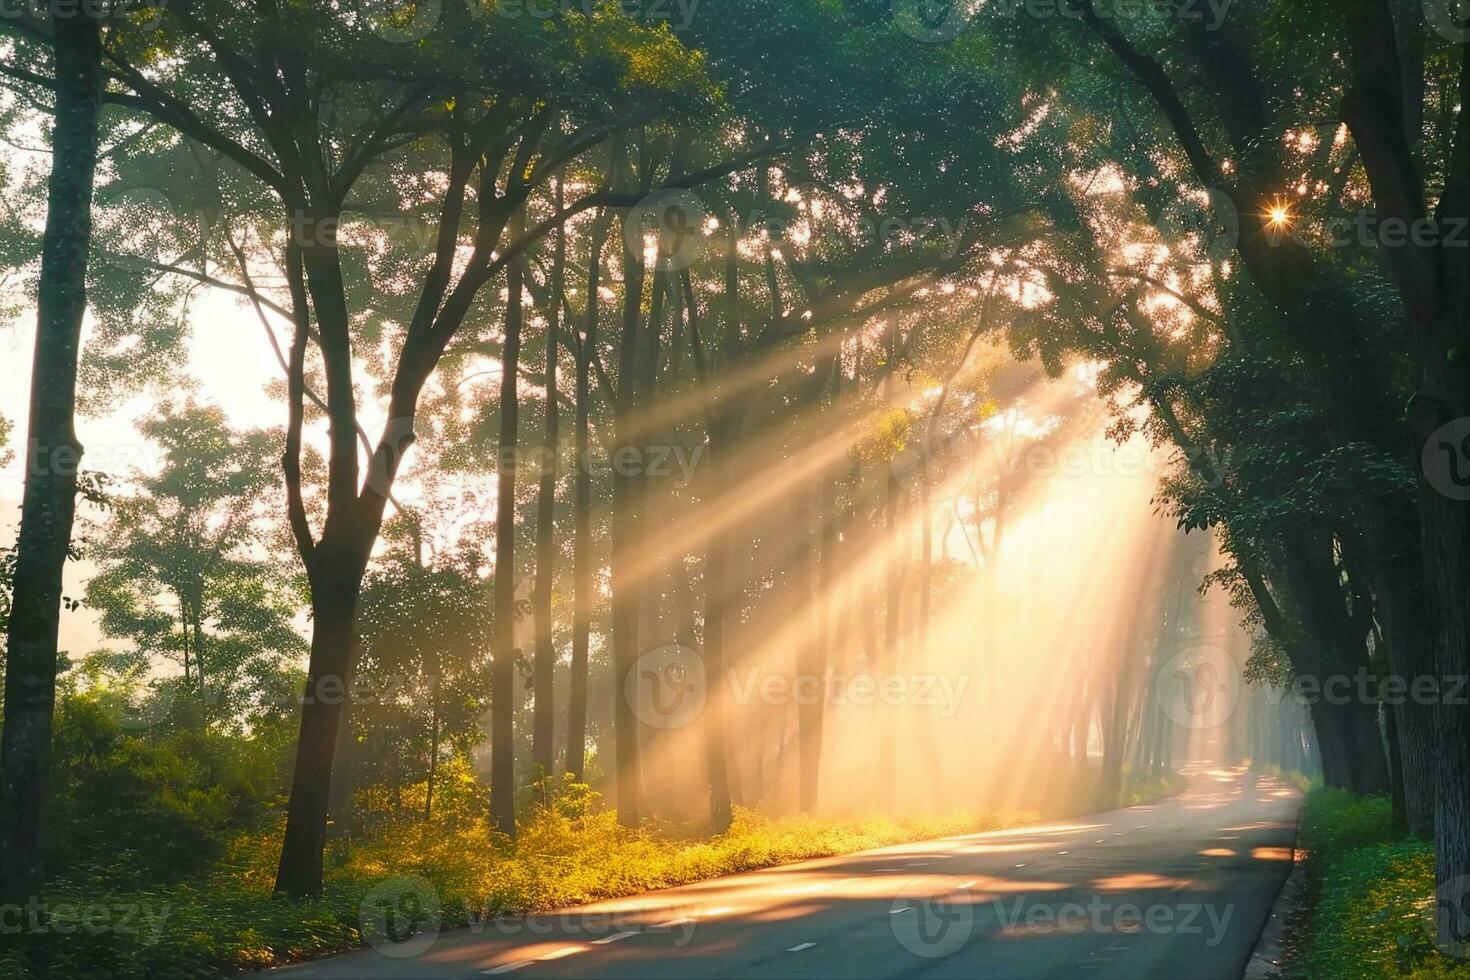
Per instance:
{"type": "Point", "coordinates": [187, 569]}
{"type": "Point", "coordinates": [300, 103]}
{"type": "Point", "coordinates": [52, 454]}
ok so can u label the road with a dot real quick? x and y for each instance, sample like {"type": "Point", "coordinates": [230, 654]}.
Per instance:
{"type": "Point", "coordinates": [1180, 888]}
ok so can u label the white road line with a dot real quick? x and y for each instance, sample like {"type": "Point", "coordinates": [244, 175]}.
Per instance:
{"type": "Point", "coordinates": [967, 884]}
{"type": "Point", "coordinates": [918, 864]}
{"type": "Point", "coordinates": [798, 948]}
{"type": "Point", "coordinates": [906, 908]}
{"type": "Point", "coordinates": [506, 968]}
{"type": "Point", "coordinates": [1063, 852]}
{"type": "Point", "coordinates": [614, 938]}
{"type": "Point", "coordinates": [557, 954]}
{"type": "Point", "coordinates": [673, 922]}
{"type": "Point", "coordinates": [1021, 865]}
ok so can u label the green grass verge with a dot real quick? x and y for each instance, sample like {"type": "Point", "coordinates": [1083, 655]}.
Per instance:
{"type": "Point", "coordinates": [569, 851]}
{"type": "Point", "coordinates": [1371, 894]}
{"type": "Point", "coordinates": [231, 922]}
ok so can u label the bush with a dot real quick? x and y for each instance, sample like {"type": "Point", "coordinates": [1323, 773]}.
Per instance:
{"type": "Point", "coordinates": [147, 807]}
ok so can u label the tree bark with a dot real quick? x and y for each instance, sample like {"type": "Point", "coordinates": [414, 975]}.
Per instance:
{"type": "Point", "coordinates": [503, 649]}
{"type": "Point", "coordinates": [626, 590]}
{"type": "Point", "coordinates": [334, 595]}
{"type": "Point", "coordinates": [583, 567]}
{"type": "Point", "coordinates": [52, 454]}
{"type": "Point", "coordinates": [542, 751]}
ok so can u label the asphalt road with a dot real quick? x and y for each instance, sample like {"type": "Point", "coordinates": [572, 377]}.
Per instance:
{"type": "Point", "coordinates": [1177, 889]}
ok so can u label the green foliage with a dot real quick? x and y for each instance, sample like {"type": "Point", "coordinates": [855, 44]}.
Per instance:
{"type": "Point", "coordinates": [1372, 893]}
{"type": "Point", "coordinates": [128, 809]}
{"type": "Point", "coordinates": [188, 573]}
{"type": "Point", "coordinates": [569, 851]}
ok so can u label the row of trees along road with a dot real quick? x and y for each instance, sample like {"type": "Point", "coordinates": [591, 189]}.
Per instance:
{"type": "Point", "coordinates": [1301, 381]}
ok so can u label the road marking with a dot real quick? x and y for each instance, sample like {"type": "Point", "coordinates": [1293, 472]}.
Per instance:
{"type": "Point", "coordinates": [918, 864]}
{"type": "Point", "coordinates": [1101, 840]}
{"type": "Point", "coordinates": [967, 884]}
{"type": "Point", "coordinates": [557, 954]}
{"type": "Point", "coordinates": [614, 938]}
{"type": "Point", "coordinates": [1062, 852]}
{"type": "Point", "coordinates": [798, 948]}
{"type": "Point", "coordinates": [685, 920]}
{"type": "Point", "coordinates": [906, 908]}
{"type": "Point", "coordinates": [1020, 865]}
{"type": "Point", "coordinates": [507, 968]}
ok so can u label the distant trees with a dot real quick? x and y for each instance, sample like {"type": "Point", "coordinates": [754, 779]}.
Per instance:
{"type": "Point", "coordinates": [190, 568]}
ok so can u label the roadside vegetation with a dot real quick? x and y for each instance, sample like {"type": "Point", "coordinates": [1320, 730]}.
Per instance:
{"type": "Point", "coordinates": [215, 912]}
{"type": "Point", "coordinates": [1370, 894]}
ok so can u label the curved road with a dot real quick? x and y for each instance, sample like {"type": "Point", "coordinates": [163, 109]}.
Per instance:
{"type": "Point", "coordinates": [1180, 888]}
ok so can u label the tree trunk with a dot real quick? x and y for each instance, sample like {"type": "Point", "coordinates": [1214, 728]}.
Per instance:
{"type": "Point", "coordinates": [334, 595]}
{"type": "Point", "coordinates": [52, 453]}
{"type": "Point", "coordinates": [716, 565]}
{"type": "Point", "coordinates": [810, 668]}
{"type": "Point", "coordinates": [542, 751]}
{"type": "Point", "coordinates": [626, 590]}
{"type": "Point", "coordinates": [583, 567]}
{"type": "Point", "coordinates": [503, 649]}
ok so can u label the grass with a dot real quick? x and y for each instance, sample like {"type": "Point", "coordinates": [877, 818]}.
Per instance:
{"type": "Point", "coordinates": [1370, 892]}
{"type": "Point", "coordinates": [231, 922]}
{"type": "Point", "coordinates": [569, 851]}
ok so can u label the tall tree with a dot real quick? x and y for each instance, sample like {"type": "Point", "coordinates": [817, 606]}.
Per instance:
{"type": "Point", "coordinates": [543, 752]}
{"type": "Point", "coordinates": [52, 452]}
